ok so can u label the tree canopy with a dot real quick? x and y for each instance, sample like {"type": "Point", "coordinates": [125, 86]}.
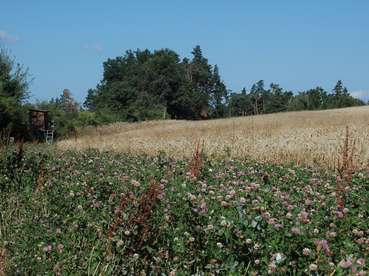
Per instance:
{"type": "Point", "coordinates": [144, 85]}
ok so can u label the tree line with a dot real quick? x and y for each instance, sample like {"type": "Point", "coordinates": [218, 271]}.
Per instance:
{"type": "Point", "coordinates": [146, 85]}
{"type": "Point", "coordinates": [142, 85]}
{"type": "Point", "coordinates": [261, 100]}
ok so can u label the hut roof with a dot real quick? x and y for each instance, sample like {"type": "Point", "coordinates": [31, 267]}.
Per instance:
{"type": "Point", "coordinates": [38, 110]}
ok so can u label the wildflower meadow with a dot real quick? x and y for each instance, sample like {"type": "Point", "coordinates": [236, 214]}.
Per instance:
{"type": "Point", "coordinates": [104, 213]}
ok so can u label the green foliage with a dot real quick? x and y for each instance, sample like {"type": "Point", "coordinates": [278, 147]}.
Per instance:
{"type": "Point", "coordinates": [318, 98]}
{"type": "Point", "coordinates": [260, 100]}
{"type": "Point", "coordinates": [278, 100]}
{"type": "Point", "coordinates": [87, 118]}
{"type": "Point", "coordinates": [219, 95]}
{"type": "Point", "coordinates": [65, 114]}
{"type": "Point", "coordinates": [342, 98]}
{"type": "Point", "coordinates": [313, 99]}
{"type": "Point", "coordinates": [145, 85]}
{"type": "Point", "coordinates": [240, 104]}
{"type": "Point", "coordinates": [105, 213]}
{"type": "Point", "coordinates": [13, 93]}
{"type": "Point", "coordinates": [275, 99]}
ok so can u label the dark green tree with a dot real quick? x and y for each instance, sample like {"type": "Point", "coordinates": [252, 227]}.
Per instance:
{"type": "Point", "coordinates": [258, 97]}
{"type": "Point", "coordinates": [240, 104]}
{"type": "Point", "coordinates": [277, 100]}
{"type": "Point", "coordinates": [164, 78]}
{"type": "Point", "coordinates": [13, 94]}
{"type": "Point", "coordinates": [313, 99]}
{"type": "Point", "coordinates": [218, 95]}
{"type": "Point", "coordinates": [340, 97]}
{"type": "Point", "coordinates": [201, 83]}
{"type": "Point", "coordinates": [144, 85]}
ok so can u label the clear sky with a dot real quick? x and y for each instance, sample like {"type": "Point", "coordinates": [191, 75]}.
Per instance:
{"type": "Point", "coordinates": [298, 44]}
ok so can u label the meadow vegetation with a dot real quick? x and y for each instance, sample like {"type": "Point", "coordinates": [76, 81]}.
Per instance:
{"type": "Point", "coordinates": [103, 213]}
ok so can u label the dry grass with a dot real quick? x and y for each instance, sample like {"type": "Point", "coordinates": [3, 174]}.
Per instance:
{"type": "Point", "coordinates": [312, 137]}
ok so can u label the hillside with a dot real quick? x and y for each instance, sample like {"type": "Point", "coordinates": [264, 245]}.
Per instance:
{"type": "Point", "coordinates": [309, 137]}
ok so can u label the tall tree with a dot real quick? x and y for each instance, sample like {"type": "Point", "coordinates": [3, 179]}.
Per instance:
{"type": "Point", "coordinates": [341, 96]}
{"type": "Point", "coordinates": [164, 77]}
{"type": "Point", "coordinates": [218, 94]}
{"type": "Point", "coordinates": [240, 104]}
{"type": "Point", "coordinates": [67, 103]}
{"type": "Point", "coordinates": [277, 99]}
{"type": "Point", "coordinates": [13, 93]}
{"type": "Point", "coordinates": [201, 83]}
{"type": "Point", "coordinates": [258, 95]}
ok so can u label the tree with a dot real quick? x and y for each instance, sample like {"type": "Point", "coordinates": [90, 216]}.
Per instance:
{"type": "Point", "coordinates": [218, 95]}
{"type": "Point", "coordinates": [13, 94]}
{"type": "Point", "coordinates": [258, 96]}
{"type": "Point", "coordinates": [317, 98]}
{"type": "Point", "coordinates": [144, 85]}
{"type": "Point", "coordinates": [313, 99]}
{"type": "Point", "coordinates": [338, 94]}
{"type": "Point", "coordinates": [201, 83]}
{"type": "Point", "coordinates": [67, 103]}
{"type": "Point", "coordinates": [164, 79]}
{"type": "Point", "coordinates": [340, 97]}
{"type": "Point", "coordinates": [276, 100]}
{"type": "Point", "coordinates": [90, 101]}
{"type": "Point", "coordinates": [240, 104]}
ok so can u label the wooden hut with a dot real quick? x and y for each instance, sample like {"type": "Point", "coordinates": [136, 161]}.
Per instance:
{"type": "Point", "coordinates": [40, 126]}
{"type": "Point", "coordinates": [39, 119]}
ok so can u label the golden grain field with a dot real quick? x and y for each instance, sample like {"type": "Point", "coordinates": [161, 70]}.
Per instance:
{"type": "Point", "coordinates": [309, 137]}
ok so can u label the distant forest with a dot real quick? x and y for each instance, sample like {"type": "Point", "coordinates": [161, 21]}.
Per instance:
{"type": "Point", "coordinates": [145, 85]}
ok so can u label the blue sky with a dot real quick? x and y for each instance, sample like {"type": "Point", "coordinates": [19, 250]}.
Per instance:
{"type": "Point", "coordinates": [298, 44]}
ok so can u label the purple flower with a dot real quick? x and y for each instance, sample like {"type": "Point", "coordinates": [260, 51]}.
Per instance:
{"type": "Point", "coordinates": [345, 263]}
{"type": "Point", "coordinates": [361, 262]}
{"type": "Point", "coordinates": [323, 244]}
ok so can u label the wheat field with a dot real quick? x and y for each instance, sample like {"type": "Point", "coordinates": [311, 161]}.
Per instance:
{"type": "Point", "coordinates": [312, 138]}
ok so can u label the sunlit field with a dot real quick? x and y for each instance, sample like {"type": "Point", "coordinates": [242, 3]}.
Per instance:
{"type": "Point", "coordinates": [310, 137]}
